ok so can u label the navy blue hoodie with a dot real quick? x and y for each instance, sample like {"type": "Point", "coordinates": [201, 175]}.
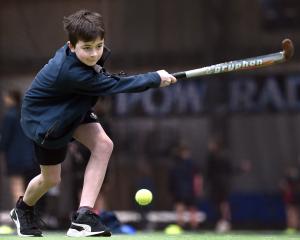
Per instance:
{"type": "Point", "coordinates": [64, 90]}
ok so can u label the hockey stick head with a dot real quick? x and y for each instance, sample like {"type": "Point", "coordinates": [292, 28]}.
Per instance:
{"type": "Point", "coordinates": [288, 48]}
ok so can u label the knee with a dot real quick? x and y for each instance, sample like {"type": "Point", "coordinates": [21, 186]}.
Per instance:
{"type": "Point", "coordinates": [104, 144]}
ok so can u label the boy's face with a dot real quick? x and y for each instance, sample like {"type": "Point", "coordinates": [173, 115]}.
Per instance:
{"type": "Point", "coordinates": [88, 53]}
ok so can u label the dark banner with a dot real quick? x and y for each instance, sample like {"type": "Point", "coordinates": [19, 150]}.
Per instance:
{"type": "Point", "coordinates": [252, 94]}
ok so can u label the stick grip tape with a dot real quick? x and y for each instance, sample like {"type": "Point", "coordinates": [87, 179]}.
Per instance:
{"type": "Point", "coordinates": [179, 75]}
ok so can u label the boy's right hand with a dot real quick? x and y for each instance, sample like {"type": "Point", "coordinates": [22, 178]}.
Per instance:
{"type": "Point", "coordinates": [166, 78]}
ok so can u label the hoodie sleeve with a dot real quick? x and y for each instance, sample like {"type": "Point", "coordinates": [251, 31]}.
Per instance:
{"type": "Point", "coordinates": [87, 81]}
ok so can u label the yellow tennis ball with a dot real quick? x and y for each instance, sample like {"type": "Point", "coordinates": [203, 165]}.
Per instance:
{"type": "Point", "coordinates": [5, 229]}
{"type": "Point", "coordinates": [143, 197]}
{"type": "Point", "coordinates": [173, 229]}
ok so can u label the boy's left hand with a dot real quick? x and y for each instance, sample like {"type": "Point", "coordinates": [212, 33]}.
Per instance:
{"type": "Point", "coordinates": [166, 78]}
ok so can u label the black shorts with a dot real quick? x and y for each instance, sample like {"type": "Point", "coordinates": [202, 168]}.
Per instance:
{"type": "Point", "coordinates": [46, 156]}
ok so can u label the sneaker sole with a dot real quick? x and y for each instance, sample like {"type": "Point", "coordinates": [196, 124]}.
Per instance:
{"type": "Point", "coordinates": [75, 233]}
{"type": "Point", "coordinates": [72, 232]}
{"type": "Point", "coordinates": [14, 217]}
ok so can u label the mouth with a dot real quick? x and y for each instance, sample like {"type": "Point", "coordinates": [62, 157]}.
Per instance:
{"type": "Point", "coordinates": [94, 60]}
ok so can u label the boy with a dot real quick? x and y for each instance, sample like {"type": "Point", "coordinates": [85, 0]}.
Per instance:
{"type": "Point", "coordinates": [57, 108]}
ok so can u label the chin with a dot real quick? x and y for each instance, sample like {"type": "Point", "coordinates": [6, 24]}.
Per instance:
{"type": "Point", "coordinates": [91, 64]}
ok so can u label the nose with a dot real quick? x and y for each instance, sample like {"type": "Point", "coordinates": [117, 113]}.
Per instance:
{"type": "Point", "coordinates": [93, 53]}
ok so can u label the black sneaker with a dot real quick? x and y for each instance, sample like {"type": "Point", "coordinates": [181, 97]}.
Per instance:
{"type": "Point", "coordinates": [26, 222]}
{"type": "Point", "coordinates": [86, 224]}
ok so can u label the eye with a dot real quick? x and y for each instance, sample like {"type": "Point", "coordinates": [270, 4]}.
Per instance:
{"type": "Point", "coordinates": [86, 47]}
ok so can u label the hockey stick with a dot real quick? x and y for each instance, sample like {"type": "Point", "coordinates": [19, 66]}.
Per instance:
{"type": "Point", "coordinates": [243, 64]}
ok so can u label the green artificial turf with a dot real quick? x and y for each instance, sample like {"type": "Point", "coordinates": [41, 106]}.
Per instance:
{"type": "Point", "coordinates": [185, 236]}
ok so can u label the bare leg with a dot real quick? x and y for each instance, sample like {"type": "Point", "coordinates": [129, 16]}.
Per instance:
{"type": "Point", "coordinates": [292, 217]}
{"type": "Point", "coordinates": [193, 217]}
{"type": "Point", "coordinates": [223, 224]}
{"type": "Point", "coordinates": [180, 209]}
{"type": "Point", "coordinates": [225, 211]}
{"type": "Point", "coordinates": [39, 185]}
{"type": "Point", "coordinates": [95, 139]}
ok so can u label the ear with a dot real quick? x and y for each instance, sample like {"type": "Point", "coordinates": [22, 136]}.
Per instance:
{"type": "Point", "coordinates": [72, 48]}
